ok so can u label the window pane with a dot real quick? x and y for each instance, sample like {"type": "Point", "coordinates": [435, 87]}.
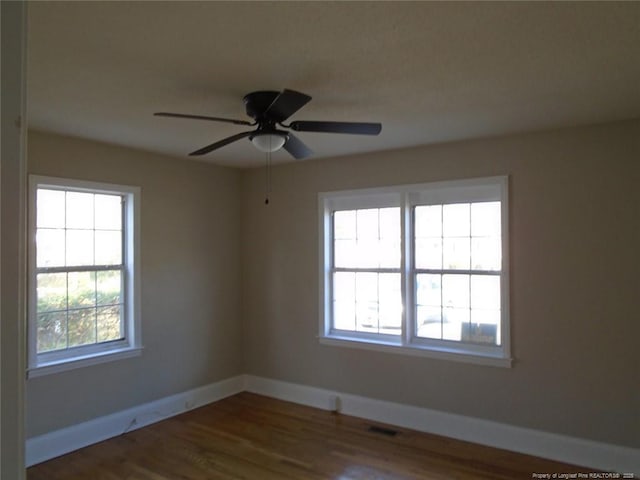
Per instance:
{"type": "Point", "coordinates": [485, 292]}
{"type": "Point", "coordinates": [109, 323]}
{"type": "Point", "coordinates": [452, 321]}
{"type": "Point", "coordinates": [345, 253]}
{"type": "Point", "coordinates": [485, 253]}
{"type": "Point", "coordinates": [429, 318]}
{"type": "Point", "coordinates": [366, 287]}
{"type": "Point", "coordinates": [485, 219]}
{"type": "Point", "coordinates": [50, 208]}
{"type": "Point", "coordinates": [367, 317]}
{"type": "Point", "coordinates": [455, 291]}
{"type": "Point", "coordinates": [428, 253]}
{"type": "Point", "coordinates": [489, 317]}
{"type": "Point", "coordinates": [365, 254]}
{"type": "Point", "coordinates": [368, 253]}
{"type": "Point", "coordinates": [52, 331]}
{"type": "Point", "coordinates": [389, 245]}
{"type": "Point", "coordinates": [428, 221]}
{"type": "Point", "coordinates": [390, 223]}
{"type": "Point", "coordinates": [82, 289]}
{"type": "Point", "coordinates": [390, 303]}
{"type": "Point", "coordinates": [367, 224]}
{"type": "Point", "coordinates": [344, 315]}
{"type": "Point", "coordinates": [108, 247]}
{"type": "Point", "coordinates": [389, 253]}
{"type": "Point", "coordinates": [50, 248]}
{"type": "Point", "coordinates": [428, 290]}
{"type": "Point", "coordinates": [455, 220]}
{"type": "Point", "coordinates": [79, 210]}
{"type": "Point", "coordinates": [108, 212]}
{"type": "Point", "coordinates": [344, 294]}
{"type": "Point", "coordinates": [484, 327]}
{"type": "Point", "coordinates": [344, 224]}
{"type": "Point", "coordinates": [367, 302]}
{"type": "Point", "coordinates": [485, 310]}
{"type": "Point", "coordinates": [108, 287]}
{"type": "Point", "coordinates": [480, 333]}
{"type": "Point", "coordinates": [344, 286]}
{"type": "Point", "coordinates": [82, 326]}
{"type": "Point", "coordinates": [429, 322]}
{"type": "Point", "coordinates": [52, 291]}
{"type": "Point", "coordinates": [79, 247]}
{"type": "Point", "coordinates": [456, 253]}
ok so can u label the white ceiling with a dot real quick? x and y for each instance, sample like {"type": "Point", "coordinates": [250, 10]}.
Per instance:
{"type": "Point", "coordinates": [429, 72]}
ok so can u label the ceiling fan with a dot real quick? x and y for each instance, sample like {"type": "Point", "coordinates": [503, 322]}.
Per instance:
{"type": "Point", "coordinates": [268, 110]}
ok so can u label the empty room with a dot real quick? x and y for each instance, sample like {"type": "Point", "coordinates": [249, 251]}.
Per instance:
{"type": "Point", "coordinates": [320, 240]}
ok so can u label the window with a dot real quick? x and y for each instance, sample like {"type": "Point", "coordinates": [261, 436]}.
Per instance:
{"type": "Point", "coordinates": [418, 269]}
{"type": "Point", "coordinates": [84, 282]}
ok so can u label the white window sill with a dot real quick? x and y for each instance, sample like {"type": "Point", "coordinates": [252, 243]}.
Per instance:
{"type": "Point", "coordinates": [64, 365]}
{"type": "Point", "coordinates": [442, 353]}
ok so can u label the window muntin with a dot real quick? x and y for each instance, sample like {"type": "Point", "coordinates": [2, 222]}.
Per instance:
{"type": "Point", "coordinates": [83, 280]}
{"type": "Point", "coordinates": [445, 294]}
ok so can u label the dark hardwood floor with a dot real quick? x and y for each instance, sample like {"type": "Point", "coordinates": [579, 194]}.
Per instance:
{"type": "Point", "coordinates": [248, 436]}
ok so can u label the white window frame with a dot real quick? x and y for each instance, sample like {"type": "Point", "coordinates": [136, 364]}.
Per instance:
{"type": "Point", "coordinates": [82, 356]}
{"type": "Point", "coordinates": [407, 197]}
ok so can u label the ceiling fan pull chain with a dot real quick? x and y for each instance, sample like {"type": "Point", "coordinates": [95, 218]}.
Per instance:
{"type": "Point", "coordinates": [267, 177]}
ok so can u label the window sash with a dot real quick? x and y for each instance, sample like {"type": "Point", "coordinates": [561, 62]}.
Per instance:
{"type": "Point", "coordinates": [124, 314]}
{"type": "Point", "coordinates": [335, 329]}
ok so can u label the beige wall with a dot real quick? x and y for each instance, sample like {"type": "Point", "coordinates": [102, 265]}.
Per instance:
{"type": "Point", "coordinates": [191, 328]}
{"type": "Point", "coordinates": [575, 254]}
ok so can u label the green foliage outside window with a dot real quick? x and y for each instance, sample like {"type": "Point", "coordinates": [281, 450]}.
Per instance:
{"type": "Point", "coordinates": [78, 308]}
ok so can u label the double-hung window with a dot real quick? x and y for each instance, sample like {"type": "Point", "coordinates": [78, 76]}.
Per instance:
{"type": "Point", "coordinates": [84, 279]}
{"type": "Point", "coordinates": [418, 269]}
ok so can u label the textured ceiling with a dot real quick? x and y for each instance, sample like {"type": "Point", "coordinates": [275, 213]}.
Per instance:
{"type": "Point", "coordinates": [429, 72]}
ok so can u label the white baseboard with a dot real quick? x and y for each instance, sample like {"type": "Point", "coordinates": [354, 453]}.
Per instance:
{"type": "Point", "coordinates": [587, 453]}
{"type": "Point", "coordinates": [65, 440]}
{"type": "Point", "coordinates": [562, 448]}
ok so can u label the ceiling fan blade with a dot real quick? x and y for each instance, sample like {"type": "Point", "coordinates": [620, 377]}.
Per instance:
{"type": "Point", "coordinates": [337, 127]}
{"type": "Point", "coordinates": [296, 148]}
{"type": "Point", "coordinates": [286, 104]}
{"type": "Point", "coordinates": [202, 117]}
{"type": "Point", "coordinates": [221, 143]}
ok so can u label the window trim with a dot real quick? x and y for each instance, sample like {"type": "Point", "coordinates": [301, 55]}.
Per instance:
{"type": "Point", "coordinates": [131, 345]}
{"type": "Point", "coordinates": [407, 197]}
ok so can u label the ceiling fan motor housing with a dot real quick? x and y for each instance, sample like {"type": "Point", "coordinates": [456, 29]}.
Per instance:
{"type": "Point", "coordinates": [257, 103]}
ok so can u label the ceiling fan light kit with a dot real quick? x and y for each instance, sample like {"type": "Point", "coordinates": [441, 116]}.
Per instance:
{"type": "Point", "coordinates": [268, 110]}
{"type": "Point", "coordinates": [269, 142]}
